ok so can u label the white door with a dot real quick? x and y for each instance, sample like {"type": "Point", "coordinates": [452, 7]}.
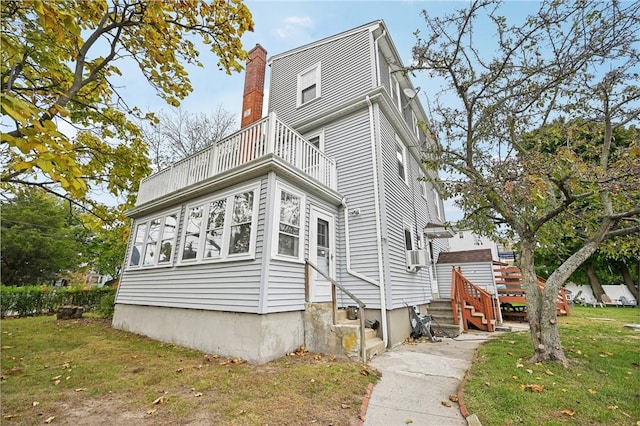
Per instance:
{"type": "Point", "coordinates": [321, 254]}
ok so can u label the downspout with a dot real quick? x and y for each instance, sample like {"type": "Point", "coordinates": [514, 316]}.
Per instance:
{"type": "Point", "coordinates": [376, 196]}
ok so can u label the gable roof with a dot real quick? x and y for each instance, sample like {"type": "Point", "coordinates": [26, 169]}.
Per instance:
{"type": "Point", "coordinates": [467, 256]}
{"type": "Point", "coordinates": [370, 27]}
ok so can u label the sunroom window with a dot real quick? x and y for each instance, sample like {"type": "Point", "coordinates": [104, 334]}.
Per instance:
{"type": "Point", "coordinates": [221, 227]}
{"type": "Point", "coordinates": [154, 240]}
{"type": "Point", "coordinates": [290, 220]}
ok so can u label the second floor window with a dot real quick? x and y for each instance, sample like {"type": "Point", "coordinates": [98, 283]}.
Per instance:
{"type": "Point", "coordinates": [401, 156]}
{"type": "Point", "coordinates": [309, 85]}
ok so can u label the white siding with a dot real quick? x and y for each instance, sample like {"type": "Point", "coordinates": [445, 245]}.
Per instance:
{"type": "Point", "coordinates": [403, 204]}
{"type": "Point", "coordinates": [231, 286]}
{"type": "Point", "coordinates": [480, 274]}
{"type": "Point", "coordinates": [346, 72]}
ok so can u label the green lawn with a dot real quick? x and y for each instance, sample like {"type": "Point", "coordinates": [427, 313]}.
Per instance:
{"type": "Point", "coordinates": [84, 372]}
{"type": "Point", "coordinates": [601, 386]}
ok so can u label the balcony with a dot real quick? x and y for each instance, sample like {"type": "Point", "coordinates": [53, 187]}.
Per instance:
{"type": "Point", "coordinates": [264, 137]}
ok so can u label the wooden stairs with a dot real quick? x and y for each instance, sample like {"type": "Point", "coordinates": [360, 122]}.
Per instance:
{"type": "Point", "coordinates": [478, 308]}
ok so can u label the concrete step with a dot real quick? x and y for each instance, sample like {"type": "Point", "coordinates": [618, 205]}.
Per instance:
{"type": "Point", "coordinates": [446, 330]}
{"type": "Point", "coordinates": [375, 346]}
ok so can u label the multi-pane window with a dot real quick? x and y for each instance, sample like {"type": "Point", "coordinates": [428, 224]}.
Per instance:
{"type": "Point", "coordinates": [221, 227]}
{"type": "Point", "coordinates": [290, 219]}
{"type": "Point", "coordinates": [309, 85]}
{"type": "Point", "coordinates": [402, 159]}
{"type": "Point", "coordinates": [154, 240]}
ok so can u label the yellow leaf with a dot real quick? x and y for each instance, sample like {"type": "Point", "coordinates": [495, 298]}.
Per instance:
{"type": "Point", "coordinates": [592, 391]}
{"type": "Point", "coordinates": [445, 403]}
{"type": "Point", "coordinates": [50, 419]}
{"type": "Point", "coordinates": [568, 412]}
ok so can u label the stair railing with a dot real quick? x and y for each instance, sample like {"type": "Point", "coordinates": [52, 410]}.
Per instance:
{"type": "Point", "coordinates": [307, 278]}
{"type": "Point", "coordinates": [468, 293]}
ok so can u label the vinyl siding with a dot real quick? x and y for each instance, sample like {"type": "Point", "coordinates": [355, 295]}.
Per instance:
{"type": "Point", "coordinates": [348, 141]}
{"type": "Point", "coordinates": [345, 72]}
{"type": "Point", "coordinates": [479, 273]}
{"type": "Point", "coordinates": [285, 289]}
{"type": "Point", "coordinates": [403, 203]}
{"type": "Point", "coordinates": [230, 286]}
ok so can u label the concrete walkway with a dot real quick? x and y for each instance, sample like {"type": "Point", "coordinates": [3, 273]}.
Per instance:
{"type": "Point", "coordinates": [418, 378]}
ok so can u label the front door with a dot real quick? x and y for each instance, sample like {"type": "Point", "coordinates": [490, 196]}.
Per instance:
{"type": "Point", "coordinates": [321, 254]}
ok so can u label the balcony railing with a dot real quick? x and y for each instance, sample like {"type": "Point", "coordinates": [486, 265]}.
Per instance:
{"type": "Point", "coordinates": [267, 136]}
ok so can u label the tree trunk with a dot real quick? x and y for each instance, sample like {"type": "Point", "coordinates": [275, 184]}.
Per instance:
{"type": "Point", "coordinates": [598, 291]}
{"type": "Point", "coordinates": [541, 312]}
{"type": "Point", "coordinates": [628, 281]}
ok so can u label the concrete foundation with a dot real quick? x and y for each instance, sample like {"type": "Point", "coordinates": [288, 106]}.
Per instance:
{"type": "Point", "coordinates": [254, 338]}
{"type": "Point", "coordinates": [399, 327]}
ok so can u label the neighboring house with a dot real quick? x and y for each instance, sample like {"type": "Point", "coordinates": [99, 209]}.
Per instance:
{"type": "Point", "coordinates": [216, 259]}
{"type": "Point", "coordinates": [465, 239]}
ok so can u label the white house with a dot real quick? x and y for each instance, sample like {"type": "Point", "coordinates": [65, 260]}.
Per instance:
{"type": "Point", "coordinates": [217, 254]}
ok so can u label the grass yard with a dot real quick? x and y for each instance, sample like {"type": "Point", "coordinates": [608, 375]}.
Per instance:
{"type": "Point", "coordinates": [601, 386]}
{"type": "Point", "coordinates": [84, 372]}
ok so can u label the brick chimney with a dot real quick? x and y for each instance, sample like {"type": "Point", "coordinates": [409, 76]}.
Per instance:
{"type": "Point", "coordinates": [254, 86]}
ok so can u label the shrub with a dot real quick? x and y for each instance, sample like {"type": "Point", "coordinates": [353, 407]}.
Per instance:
{"type": "Point", "coordinates": [38, 300]}
{"type": "Point", "coordinates": [107, 305]}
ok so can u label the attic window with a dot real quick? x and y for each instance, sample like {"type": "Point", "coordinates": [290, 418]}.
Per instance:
{"type": "Point", "coordinates": [308, 85]}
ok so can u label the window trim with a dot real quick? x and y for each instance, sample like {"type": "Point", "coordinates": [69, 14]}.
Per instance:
{"type": "Point", "coordinates": [436, 202]}
{"type": "Point", "coordinates": [147, 221]}
{"type": "Point", "coordinates": [205, 203]}
{"type": "Point", "coordinates": [299, 89]}
{"type": "Point", "coordinates": [280, 186]}
{"type": "Point", "coordinates": [406, 226]}
{"type": "Point", "coordinates": [394, 84]}
{"type": "Point", "coordinates": [320, 135]}
{"type": "Point", "coordinates": [403, 152]}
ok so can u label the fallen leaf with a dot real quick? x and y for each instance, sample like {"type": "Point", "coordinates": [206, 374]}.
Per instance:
{"type": "Point", "coordinates": [56, 383]}
{"type": "Point", "coordinates": [528, 370]}
{"type": "Point", "coordinates": [158, 400]}
{"type": "Point", "coordinates": [197, 394]}
{"type": "Point", "coordinates": [179, 370]}
{"type": "Point", "coordinates": [345, 406]}
{"type": "Point", "coordinates": [564, 390]}
{"type": "Point", "coordinates": [514, 377]}
{"type": "Point", "coordinates": [453, 398]}
{"type": "Point", "coordinates": [510, 353]}
{"type": "Point", "coordinates": [592, 391]}
{"type": "Point", "coordinates": [549, 372]}
{"type": "Point", "coordinates": [408, 421]}
{"type": "Point", "coordinates": [535, 388]}
{"type": "Point", "coordinates": [35, 403]}
{"type": "Point", "coordinates": [445, 403]}
{"type": "Point", "coordinates": [365, 372]}
{"type": "Point", "coordinates": [612, 407]}
{"type": "Point", "coordinates": [487, 384]}
{"type": "Point", "coordinates": [50, 419]}
{"type": "Point", "coordinates": [55, 378]}
{"type": "Point", "coordinates": [152, 411]}
{"type": "Point", "coordinates": [317, 357]}
{"type": "Point", "coordinates": [7, 347]}
{"type": "Point", "coordinates": [519, 365]}
{"type": "Point", "coordinates": [568, 412]}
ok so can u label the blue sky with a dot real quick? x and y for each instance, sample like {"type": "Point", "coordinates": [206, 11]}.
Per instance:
{"type": "Point", "coordinates": [284, 25]}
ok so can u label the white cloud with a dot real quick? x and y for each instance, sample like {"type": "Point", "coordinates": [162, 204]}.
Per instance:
{"type": "Point", "coordinates": [294, 27]}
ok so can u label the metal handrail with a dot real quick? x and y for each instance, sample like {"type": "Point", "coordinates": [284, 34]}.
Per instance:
{"type": "Point", "coordinates": [334, 284]}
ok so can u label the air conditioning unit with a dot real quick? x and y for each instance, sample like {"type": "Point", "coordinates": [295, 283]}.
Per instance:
{"type": "Point", "coordinates": [417, 259]}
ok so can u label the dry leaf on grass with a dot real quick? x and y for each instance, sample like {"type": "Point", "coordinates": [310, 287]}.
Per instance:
{"type": "Point", "coordinates": [345, 406]}
{"type": "Point", "coordinates": [197, 394]}
{"type": "Point", "coordinates": [81, 389]}
{"type": "Point", "coordinates": [549, 372]}
{"type": "Point", "coordinates": [534, 388]}
{"type": "Point", "coordinates": [158, 400]}
{"type": "Point", "coordinates": [152, 411]}
{"type": "Point", "coordinates": [35, 403]}
{"type": "Point", "coordinates": [592, 391]}
{"type": "Point", "coordinates": [568, 412]}
{"type": "Point", "coordinates": [50, 419]}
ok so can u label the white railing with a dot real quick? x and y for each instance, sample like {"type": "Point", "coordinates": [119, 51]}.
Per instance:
{"type": "Point", "coordinates": [267, 136]}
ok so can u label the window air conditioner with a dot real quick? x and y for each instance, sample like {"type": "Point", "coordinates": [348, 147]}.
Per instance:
{"type": "Point", "coordinates": [417, 259]}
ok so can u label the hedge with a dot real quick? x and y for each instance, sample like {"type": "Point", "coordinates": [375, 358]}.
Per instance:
{"type": "Point", "coordinates": [38, 300]}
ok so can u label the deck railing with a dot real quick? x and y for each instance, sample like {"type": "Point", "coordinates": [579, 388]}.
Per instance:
{"type": "Point", "coordinates": [465, 293]}
{"type": "Point", "coordinates": [267, 136]}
